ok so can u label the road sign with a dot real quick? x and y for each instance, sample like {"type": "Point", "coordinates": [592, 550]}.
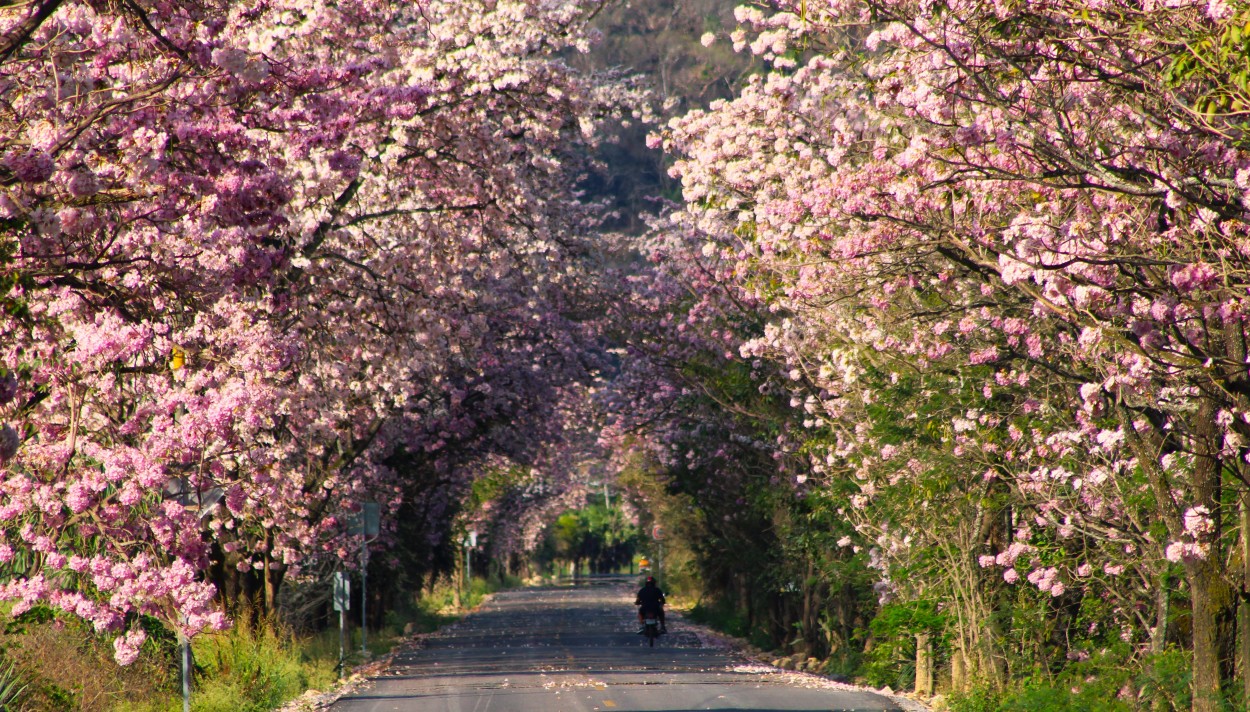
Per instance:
{"type": "Point", "coordinates": [342, 591]}
{"type": "Point", "coordinates": [371, 515]}
{"type": "Point", "coordinates": [657, 532]}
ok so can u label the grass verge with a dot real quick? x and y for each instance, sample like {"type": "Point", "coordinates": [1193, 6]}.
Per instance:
{"type": "Point", "coordinates": [59, 664]}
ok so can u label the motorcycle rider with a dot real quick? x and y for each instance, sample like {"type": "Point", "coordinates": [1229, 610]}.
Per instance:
{"type": "Point", "coordinates": [650, 599]}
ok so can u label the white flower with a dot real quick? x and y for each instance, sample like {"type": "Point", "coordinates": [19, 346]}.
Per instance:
{"type": "Point", "coordinates": [1218, 9]}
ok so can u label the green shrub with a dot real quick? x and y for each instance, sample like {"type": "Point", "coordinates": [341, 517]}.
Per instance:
{"type": "Point", "coordinates": [891, 659]}
{"type": "Point", "coordinates": [720, 617]}
{"type": "Point", "coordinates": [844, 664]}
{"type": "Point", "coordinates": [1047, 698]}
{"type": "Point", "coordinates": [247, 669]}
{"type": "Point", "coordinates": [1109, 680]}
{"type": "Point", "coordinates": [726, 619]}
{"type": "Point", "coordinates": [978, 699]}
{"type": "Point", "coordinates": [1163, 680]}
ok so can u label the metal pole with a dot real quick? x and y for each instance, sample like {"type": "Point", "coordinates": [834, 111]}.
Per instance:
{"type": "Point", "coordinates": [342, 643]}
{"type": "Point", "coordinates": [364, 598]}
{"type": "Point", "coordinates": [468, 574]}
{"type": "Point", "coordinates": [659, 563]}
{"type": "Point", "coordinates": [186, 671]}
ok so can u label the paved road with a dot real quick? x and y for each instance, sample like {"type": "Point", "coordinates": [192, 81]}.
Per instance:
{"type": "Point", "coordinates": [575, 649]}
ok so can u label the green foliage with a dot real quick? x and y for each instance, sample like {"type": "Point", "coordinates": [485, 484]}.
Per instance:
{"type": "Point", "coordinates": [1163, 680]}
{"type": "Point", "coordinates": [727, 619]}
{"type": "Point", "coordinates": [595, 534]}
{"type": "Point", "coordinates": [10, 279]}
{"type": "Point", "coordinates": [1108, 681]}
{"type": "Point", "coordinates": [248, 669]}
{"type": "Point", "coordinates": [978, 699]}
{"type": "Point", "coordinates": [34, 616]}
{"type": "Point", "coordinates": [12, 686]}
{"type": "Point", "coordinates": [424, 617]}
{"type": "Point", "coordinates": [844, 664]}
{"type": "Point", "coordinates": [892, 658]}
{"type": "Point", "coordinates": [1039, 699]}
{"type": "Point", "coordinates": [1210, 70]}
{"type": "Point", "coordinates": [720, 617]}
{"type": "Point", "coordinates": [494, 484]}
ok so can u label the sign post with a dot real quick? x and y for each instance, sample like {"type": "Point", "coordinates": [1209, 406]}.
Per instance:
{"type": "Point", "coordinates": [470, 542]}
{"type": "Point", "coordinates": [184, 663]}
{"type": "Point", "coordinates": [342, 603]}
{"type": "Point", "coordinates": [369, 524]}
{"type": "Point", "coordinates": [202, 501]}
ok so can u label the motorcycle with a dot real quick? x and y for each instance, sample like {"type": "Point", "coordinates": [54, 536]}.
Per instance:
{"type": "Point", "coordinates": [651, 629]}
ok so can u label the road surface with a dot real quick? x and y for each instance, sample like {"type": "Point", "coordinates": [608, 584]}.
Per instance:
{"type": "Point", "coordinates": [575, 649]}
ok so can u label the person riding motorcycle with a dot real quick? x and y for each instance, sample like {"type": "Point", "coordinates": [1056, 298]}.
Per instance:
{"type": "Point", "coordinates": [650, 600]}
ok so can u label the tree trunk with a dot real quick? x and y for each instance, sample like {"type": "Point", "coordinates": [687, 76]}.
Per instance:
{"type": "Point", "coordinates": [959, 671]}
{"type": "Point", "coordinates": [811, 607]}
{"type": "Point", "coordinates": [924, 664]}
{"type": "Point", "coordinates": [456, 583]}
{"type": "Point", "coordinates": [1159, 634]}
{"type": "Point", "coordinates": [1203, 575]}
{"type": "Point", "coordinates": [267, 593]}
{"type": "Point", "coordinates": [1243, 621]}
{"type": "Point", "coordinates": [1206, 669]}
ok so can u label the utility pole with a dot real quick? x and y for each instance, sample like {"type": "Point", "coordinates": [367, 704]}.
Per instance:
{"type": "Point", "coordinates": [370, 527]}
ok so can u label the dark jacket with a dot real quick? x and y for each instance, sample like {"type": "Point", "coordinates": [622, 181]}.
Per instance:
{"type": "Point", "coordinates": [650, 597]}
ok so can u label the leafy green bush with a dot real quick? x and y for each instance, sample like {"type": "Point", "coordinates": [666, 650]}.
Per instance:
{"type": "Point", "coordinates": [844, 664]}
{"type": "Point", "coordinates": [1109, 680]}
{"type": "Point", "coordinates": [248, 669]}
{"type": "Point", "coordinates": [1163, 680]}
{"type": "Point", "coordinates": [1045, 698]}
{"type": "Point", "coordinates": [720, 617]}
{"type": "Point", "coordinates": [891, 659]}
{"type": "Point", "coordinates": [978, 699]}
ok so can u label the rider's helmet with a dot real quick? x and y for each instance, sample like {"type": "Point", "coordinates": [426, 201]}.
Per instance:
{"type": "Point", "coordinates": [650, 579]}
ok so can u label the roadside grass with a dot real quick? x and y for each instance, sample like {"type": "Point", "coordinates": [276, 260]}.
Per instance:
{"type": "Point", "coordinates": [12, 687]}
{"type": "Point", "coordinates": [59, 664]}
{"type": "Point", "coordinates": [254, 669]}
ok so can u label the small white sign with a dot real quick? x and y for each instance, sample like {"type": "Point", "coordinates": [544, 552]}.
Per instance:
{"type": "Point", "coordinates": [342, 591]}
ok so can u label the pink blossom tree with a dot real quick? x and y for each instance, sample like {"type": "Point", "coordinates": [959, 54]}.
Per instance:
{"type": "Point", "coordinates": [261, 250]}
{"type": "Point", "coordinates": [974, 192]}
